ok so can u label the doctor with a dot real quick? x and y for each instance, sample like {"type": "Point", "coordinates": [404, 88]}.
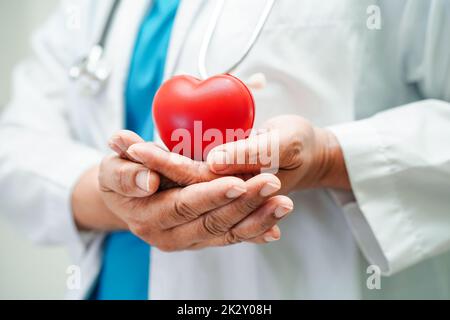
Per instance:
{"type": "Point", "coordinates": [364, 122]}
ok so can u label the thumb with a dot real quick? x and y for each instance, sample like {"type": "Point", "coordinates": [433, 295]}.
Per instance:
{"type": "Point", "coordinates": [122, 140]}
{"type": "Point", "coordinates": [255, 154]}
{"type": "Point", "coordinates": [177, 168]}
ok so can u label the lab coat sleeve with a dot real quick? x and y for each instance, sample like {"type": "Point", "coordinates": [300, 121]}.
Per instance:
{"type": "Point", "coordinates": [40, 160]}
{"type": "Point", "coordinates": [399, 160]}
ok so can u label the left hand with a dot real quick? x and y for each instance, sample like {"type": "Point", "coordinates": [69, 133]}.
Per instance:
{"type": "Point", "coordinates": [305, 156]}
{"type": "Point", "coordinates": [252, 214]}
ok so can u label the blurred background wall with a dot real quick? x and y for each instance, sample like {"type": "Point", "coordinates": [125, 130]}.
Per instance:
{"type": "Point", "coordinates": [26, 271]}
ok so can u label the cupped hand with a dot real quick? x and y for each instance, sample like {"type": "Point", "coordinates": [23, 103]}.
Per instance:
{"type": "Point", "coordinates": [302, 155]}
{"type": "Point", "coordinates": [202, 210]}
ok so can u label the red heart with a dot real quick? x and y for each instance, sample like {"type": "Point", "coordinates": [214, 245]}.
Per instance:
{"type": "Point", "coordinates": [193, 116]}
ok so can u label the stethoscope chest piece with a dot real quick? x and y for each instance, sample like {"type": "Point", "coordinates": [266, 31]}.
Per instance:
{"type": "Point", "coordinates": [91, 73]}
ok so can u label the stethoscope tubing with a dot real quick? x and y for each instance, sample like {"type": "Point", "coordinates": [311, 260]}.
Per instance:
{"type": "Point", "coordinates": [212, 28]}
{"type": "Point", "coordinates": [85, 67]}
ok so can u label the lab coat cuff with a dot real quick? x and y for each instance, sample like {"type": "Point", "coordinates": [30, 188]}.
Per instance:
{"type": "Point", "coordinates": [381, 228]}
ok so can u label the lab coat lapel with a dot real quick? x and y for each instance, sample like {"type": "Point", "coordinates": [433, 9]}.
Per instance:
{"type": "Point", "coordinates": [118, 53]}
{"type": "Point", "coordinates": [187, 12]}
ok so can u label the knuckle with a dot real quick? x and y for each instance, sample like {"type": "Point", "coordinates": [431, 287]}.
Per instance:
{"type": "Point", "coordinates": [123, 179]}
{"type": "Point", "coordinates": [248, 205]}
{"type": "Point", "coordinates": [216, 201]}
{"type": "Point", "coordinates": [292, 157]}
{"type": "Point", "coordinates": [191, 178]}
{"type": "Point", "coordinates": [266, 223]}
{"type": "Point", "coordinates": [214, 225]}
{"type": "Point", "coordinates": [184, 210]}
{"type": "Point", "coordinates": [233, 237]}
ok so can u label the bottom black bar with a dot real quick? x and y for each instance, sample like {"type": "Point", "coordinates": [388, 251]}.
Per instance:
{"type": "Point", "coordinates": [225, 309]}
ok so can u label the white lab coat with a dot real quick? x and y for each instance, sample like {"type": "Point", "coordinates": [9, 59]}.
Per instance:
{"type": "Point", "coordinates": [383, 92]}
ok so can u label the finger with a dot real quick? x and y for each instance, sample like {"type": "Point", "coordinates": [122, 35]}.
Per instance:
{"type": "Point", "coordinates": [175, 167]}
{"type": "Point", "coordinates": [127, 178]}
{"type": "Point", "coordinates": [245, 156]}
{"type": "Point", "coordinates": [122, 140]}
{"type": "Point", "coordinates": [256, 224]}
{"type": "Point", "coordinates": [193, 201]}
{"type": "Point", "coordinates": [261, 220]}
{"type": "Point", "coordinates": [272, 235]}
{"type": "Point", "coordinates": [219, 221]}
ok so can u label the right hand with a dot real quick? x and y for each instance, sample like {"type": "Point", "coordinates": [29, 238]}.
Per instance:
{"type": "Point", "coordinates": [209, 211]}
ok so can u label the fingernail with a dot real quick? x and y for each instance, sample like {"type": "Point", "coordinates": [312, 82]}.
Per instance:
{"type": "Point", "coordinates": [270, 237]}
{"type": "Point", "coordinates": [282, 211]}
{"type": "Point", "coordinates": [218, 160]}
{"type": "Point", "coordinates": [235, 192]}
{"type": "Point", "coordinates": [269, 189]}
{"type": "Point", "coordinates": [117, 141]}
{"type": "Point", "coordinates": [143, 180]}
{"type": "Point", "coordinates": [131, 153]}
{"type": "Point", "coordinates": [116, 149]}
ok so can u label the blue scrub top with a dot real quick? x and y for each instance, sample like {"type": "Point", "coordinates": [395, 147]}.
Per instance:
{"type": "Point", "coordinates": [125, 270]}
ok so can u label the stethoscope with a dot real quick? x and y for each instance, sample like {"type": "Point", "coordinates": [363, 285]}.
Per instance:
{"type": "Point", "coordinates": [92, 71]}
